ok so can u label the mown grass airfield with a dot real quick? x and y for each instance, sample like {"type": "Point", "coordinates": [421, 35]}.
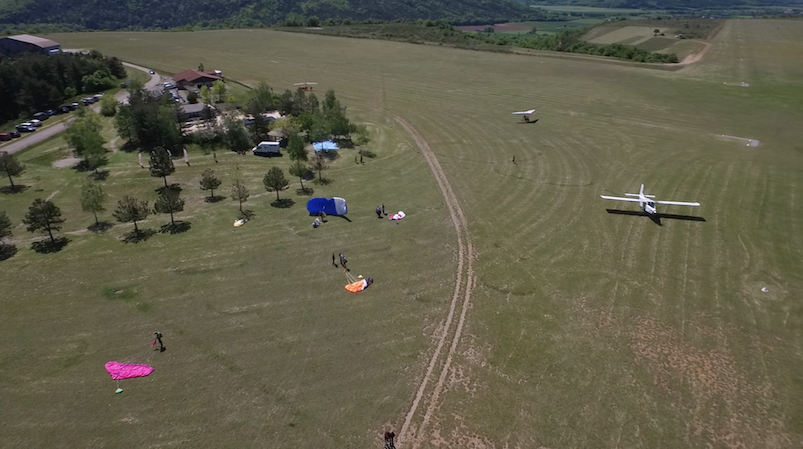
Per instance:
{"type": "Point", "coordinates": [510, 307]}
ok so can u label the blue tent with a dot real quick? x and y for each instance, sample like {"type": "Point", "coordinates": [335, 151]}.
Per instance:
{"type": "Point", "coordinates": [334, 206]}
{"type": "Point", "coordinates": [325, 146]}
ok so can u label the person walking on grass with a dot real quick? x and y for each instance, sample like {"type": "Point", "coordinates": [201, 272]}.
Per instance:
{"type": "Point", "coordinates": [159, 339]}
{"type": "Point", "coordinates": [383, 209]}
{"type": "Point", "coordinates": [378, 212]}
{"type": "Point", "coordinates": [389, 436]}
{"type": "Point", "coordinates": [343, 262]}
{"type": "Point", "coordinates": [333, 260]}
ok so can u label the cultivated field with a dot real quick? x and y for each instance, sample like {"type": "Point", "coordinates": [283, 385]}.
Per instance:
{"type": "Point", "coordinates": [565, 325]}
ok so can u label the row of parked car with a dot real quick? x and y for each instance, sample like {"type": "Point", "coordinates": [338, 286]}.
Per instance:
{"type": "Point", "coordinates": [31, 125]}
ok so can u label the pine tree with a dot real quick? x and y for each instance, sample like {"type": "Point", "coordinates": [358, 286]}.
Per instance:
{"type": "Point", "coordinates": [169, 202]}
{"type": "Point", "coordinates": [274, 181]}
{"type": "Point", "coordinates": [43, 216]}
{"type": "Point", "coordinates": [130, 209]}
{"type": "Point", "coordinates": [92, 199]}
{"type": "Point", "coordinates": [161, 164]}
{"type": "Point", "coordinates": [209, 182]}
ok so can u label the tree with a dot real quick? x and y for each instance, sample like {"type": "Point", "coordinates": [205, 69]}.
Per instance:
{"type": "Point", "coordinates": [318, 164]}
{"type": "Point", "coordinates": [295, 147]}
{"type": "Point", "coordinates": [5, 226]}
{"type": "Point", "coordinates": [130, 209]}
{"type": "Point", "coordinates": [108, 106]}
{"type": "Point", "coordinates": [201, 66]}
{"type": "Point", "coordinates": [84, 137]}
{"type": "Point", "coordinates": [313, 21]}
{"type": "Point", "coordinates": [209, 182]}
{"type": "Point", "coordinates": [206, 95]}
{"type": "Point", "coordinates": [219, 91]}
{"type": "Point", "coordinates": [239, 193]}
{"type": "Point", "coordinates": [169, 202]}
{"type": "Point", "coordinates": [274, 181]}
{"type": "Point", "coordinates": [655, 32]}
{"type": "Point", "coordinates": [161, 164]}
{"type": "Point", "coordinates": [237, 137]}
{"type": "Point", "coordinates": [299, 170]}
{"type": "Point", "coordinates": [92, 199]}
{"type": "Point", "coordinates": [192, 97]}
{"type": "Point", "coordinates": [43, 216]}
{"type": "Point", "coordinates": [10, 166]}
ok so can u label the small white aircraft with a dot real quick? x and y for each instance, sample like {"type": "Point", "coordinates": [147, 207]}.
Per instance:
{"type": "Point", "coordinates": [647, 202]}
{"type": "Point", "coordinates": [525, 114]}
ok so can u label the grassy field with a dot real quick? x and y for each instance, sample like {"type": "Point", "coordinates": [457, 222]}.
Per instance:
{"type": "Point", "coordinates": [583, 328]}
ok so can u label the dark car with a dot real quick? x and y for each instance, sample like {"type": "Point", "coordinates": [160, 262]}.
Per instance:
{"type": "Point", "coordinates": [41, 116]}
{"type": "Point", "coordinates": [64, 109]}
{"type": "Point", "coordinates": [51, 112]}
{"type": "Point", "coordinates": [14, 134]}
{"type": "Point", "coordinates": [26, 128]}
{"type": "Point", "coordinates": [4, 137]}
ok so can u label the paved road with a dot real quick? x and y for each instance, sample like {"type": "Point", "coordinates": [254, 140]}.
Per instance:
{"type": "Point", "coordinates": [44, 133]}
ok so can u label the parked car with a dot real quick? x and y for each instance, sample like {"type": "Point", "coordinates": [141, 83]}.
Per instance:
{"type": "Point", "coordinates": [14, 134]}
{"type": "Point", "coordinates": [99, 96]}
{"type": "Point", "coordinates": [64, 109]}
{"type": "Point", "coordinates": [86, 101]}
{"type": "Point", "coordinates": [41, 116]}
{"type": "Point", "coordinates": [169, 86]}
{"type": "Point", "coordinates": [51, 112]}
{"type": "Point", "coordinates": [4, 137]}
{"type": "Point", "coordinates": [35, 123]}
{"type": "Point", "coordinates": [25, 128]}
{"type": "Point", "coordinates": [73, 106]}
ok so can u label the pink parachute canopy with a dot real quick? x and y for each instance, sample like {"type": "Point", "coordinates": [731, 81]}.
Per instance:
{"type": "Point", "coordinates": [120, 371]}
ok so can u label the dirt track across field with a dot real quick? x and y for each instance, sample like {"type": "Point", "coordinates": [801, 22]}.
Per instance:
{"type": "Point", "coordinates": [464, 283]}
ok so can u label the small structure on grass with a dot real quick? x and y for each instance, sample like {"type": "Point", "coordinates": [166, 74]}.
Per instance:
{"type": "Point", "coordinates": [326, 145]}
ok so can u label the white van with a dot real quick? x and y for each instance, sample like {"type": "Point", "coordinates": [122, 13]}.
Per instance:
{"type": "Point", "coordinates": [267, 149]}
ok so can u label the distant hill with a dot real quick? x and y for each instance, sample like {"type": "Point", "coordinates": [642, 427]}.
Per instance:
{"type": "Point", "coordinates": [166, 14]}
{"type": "Point", "coordinates": [666, 4]}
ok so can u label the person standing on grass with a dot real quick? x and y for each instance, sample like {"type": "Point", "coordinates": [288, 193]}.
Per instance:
{"type": "Point", "coordinates": [383, 209]}
{"type": "Point", "coordinates": [159, 339]}
{"type": "Point", "coordinates": [389, 436]}
{"type": "Point", "coordinates": [514, 159]}
{"type": "Point", "coordinates": [333, 260]}
{"type": "Point", "coordinates": [378, 212]}
{"type": "Point", "coordinates": [343, 261]}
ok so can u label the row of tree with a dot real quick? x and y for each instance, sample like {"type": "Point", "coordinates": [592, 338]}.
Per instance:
{"type": "Point", "coordinates": [132, 14]}
{"type": "Point", "coordinates": [34, 82]}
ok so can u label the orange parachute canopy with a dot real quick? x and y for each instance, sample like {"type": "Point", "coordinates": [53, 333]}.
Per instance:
{"type": "Point", "coordinates": [360, 285]}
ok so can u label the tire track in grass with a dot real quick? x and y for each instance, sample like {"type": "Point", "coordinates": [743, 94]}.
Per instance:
{"type": "Point", "coordinates": [464, 268]}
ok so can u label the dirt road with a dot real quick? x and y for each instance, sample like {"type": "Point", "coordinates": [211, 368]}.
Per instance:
{"type": "Point", "coordinates": [464, 283]}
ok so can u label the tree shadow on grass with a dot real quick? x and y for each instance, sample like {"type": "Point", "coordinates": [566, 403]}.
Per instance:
{"type": "Point", "coordinates": [137, 236]}
{"type": "Point", "coordinates": [99, 175]}
{"type": "Point", "coordinates": [50, 246]}
{"type": "Point", "coordinates": [284, 203]}
{"type": "Point", "coordinates": [173, 187]}
{"type": "Point", "coordinates": [7, 251]}
{"type": "Point", "coordinates": [306, 191]}
{"type": "Point", "coordinates": [178, 227]}
{"type": "Point", "coordinates": [18, 188]}
{"type": "Point", "coordinates": [100, 227]}
{"type": "Point", "coordinates": [322, 181]}
{"type": "Point", "coordinates": [214, 199]}
{"type": "Point", "coordinates": [247, 214]}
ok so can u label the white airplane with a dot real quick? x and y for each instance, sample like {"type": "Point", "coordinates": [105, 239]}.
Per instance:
{"type": "Point", "coordinates": [525, 114]}
{"type": "Point", "coordinates": [647, 202]}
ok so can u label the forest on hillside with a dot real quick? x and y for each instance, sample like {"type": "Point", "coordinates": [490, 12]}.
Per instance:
{"type": "Point", "coordinates": [666, 4]}
{"type": "Point", "coordinates": [200, 14]}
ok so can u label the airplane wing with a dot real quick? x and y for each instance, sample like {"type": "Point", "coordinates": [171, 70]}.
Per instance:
{"type": "Point", "coordinates": [678, 203]}
{"type": "Point", "coordinates": [531, 111]}
{"type": "Point", "coordinates": [618, 198]}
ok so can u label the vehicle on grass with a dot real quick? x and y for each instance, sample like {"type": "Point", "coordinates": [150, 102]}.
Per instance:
{"type": "Point", "coordinates": [267, 149]}
{"type": "Point", "coordinates": [25, 128]}
{"type": "Point", "coordinates": [525, 115]}
{"type": "Point", "coordinates": [14, 134]}
{"type": "Point", "coordinates": [51, 112]}
{"type": "Point", "coordinates": [35, 123]}
{"type": "Point", "coordinates": [41, 116]}
{"type": "Point", "coordinates": [4, 137]}
{"type": "Point", "coordinates": [647, 202]}
{"type": "Point", "coordinates": [64, 109]}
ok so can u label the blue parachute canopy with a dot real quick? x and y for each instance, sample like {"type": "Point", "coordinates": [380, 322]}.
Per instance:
{"type": "Point", "coordinates": [334, 206]}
